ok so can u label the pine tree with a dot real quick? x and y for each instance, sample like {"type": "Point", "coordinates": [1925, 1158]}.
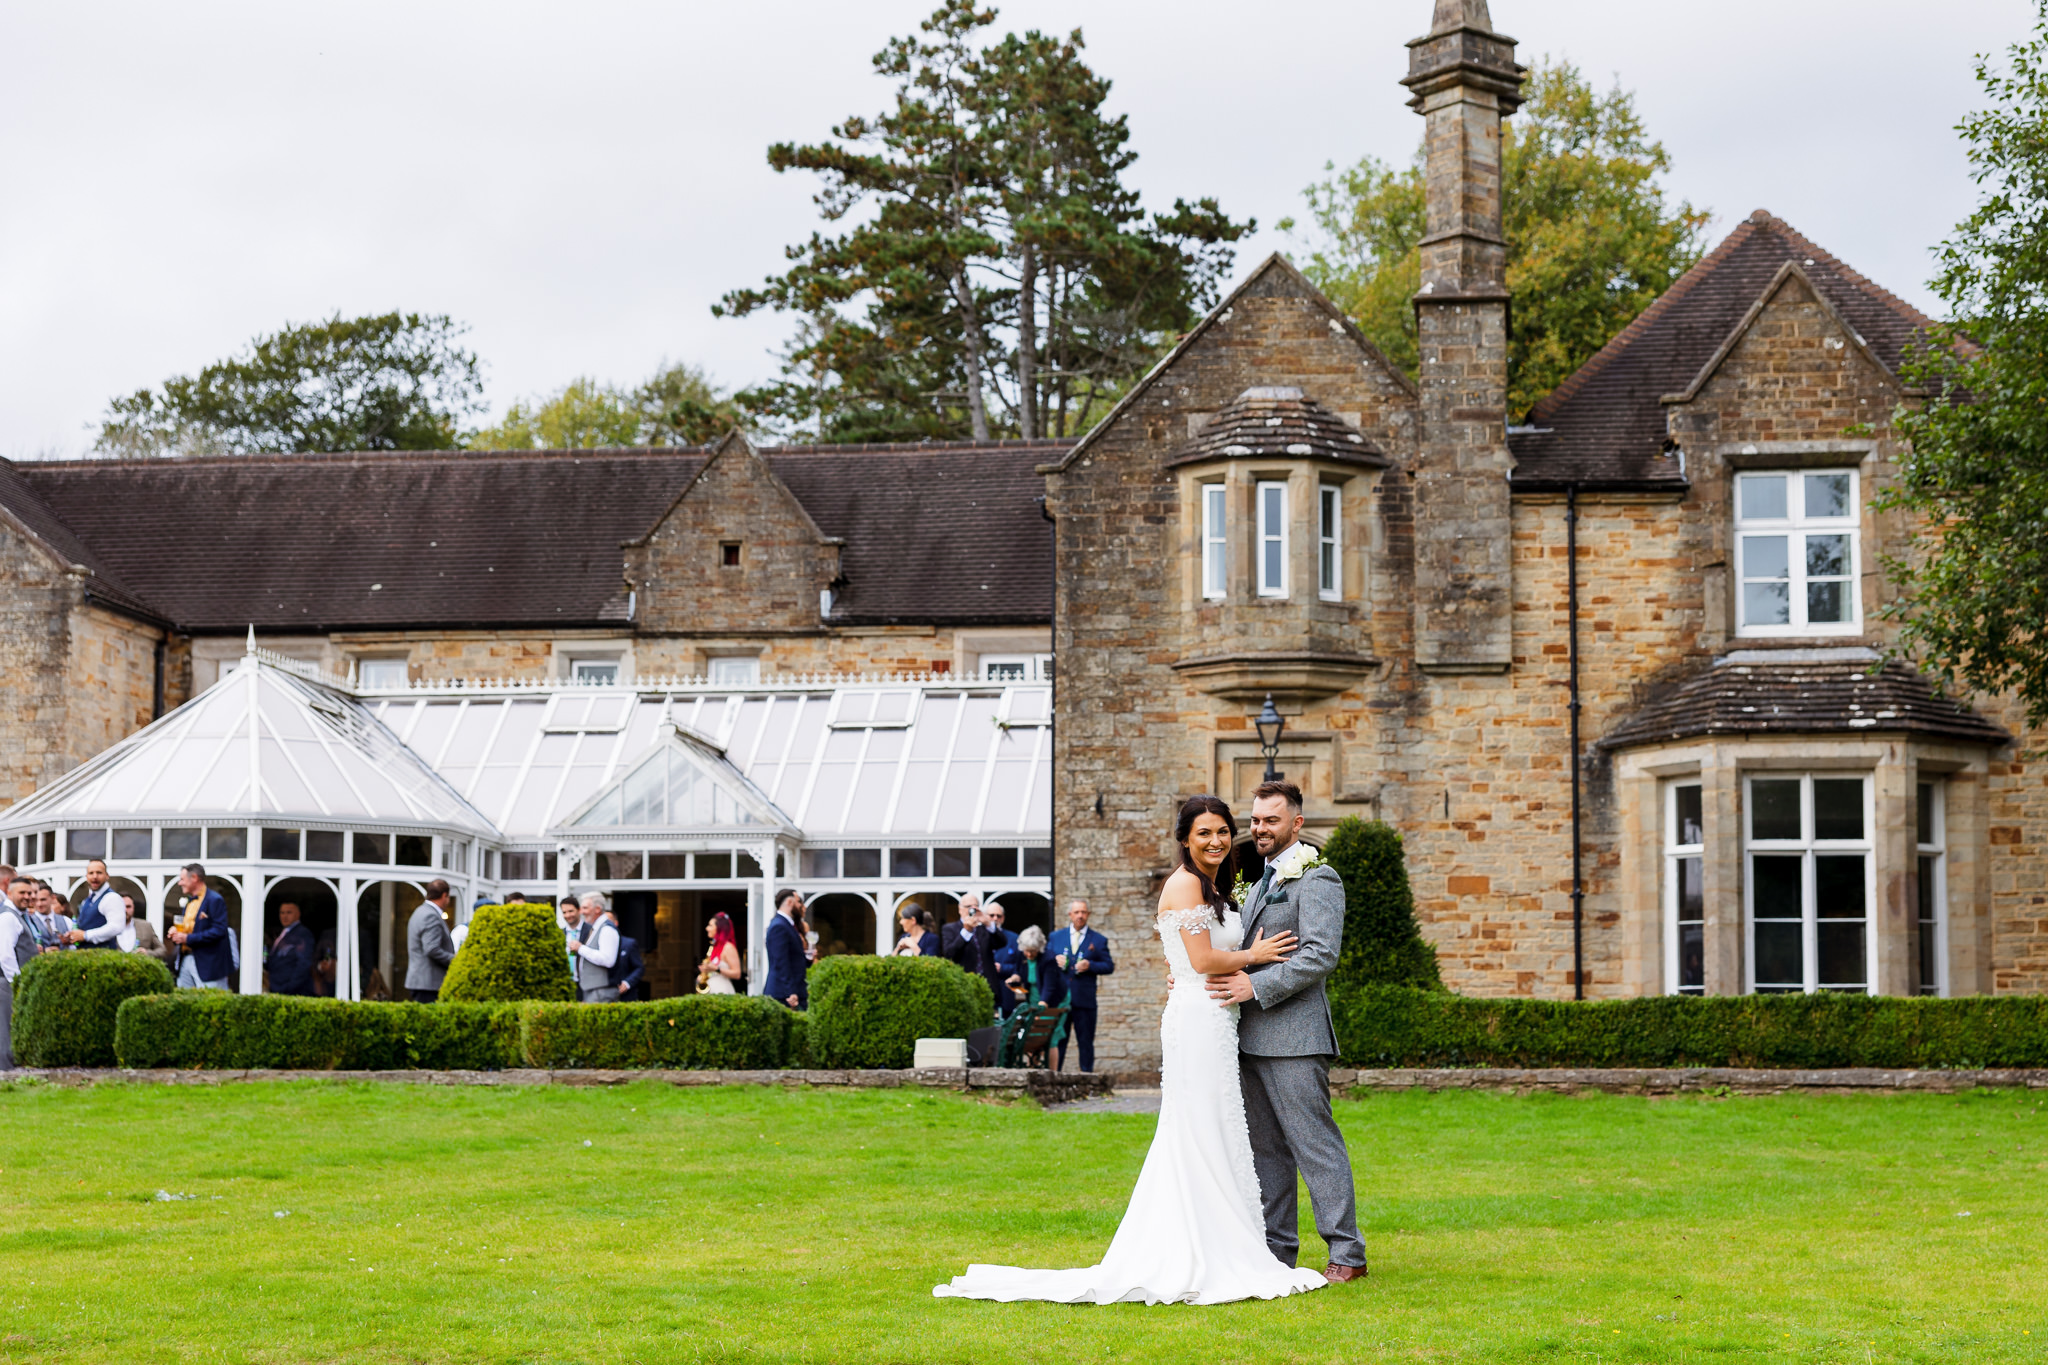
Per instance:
{"type": "Point", "coordinates": [1382, 944]}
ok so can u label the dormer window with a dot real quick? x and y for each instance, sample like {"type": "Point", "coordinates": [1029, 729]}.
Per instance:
{"type": "Point", "coordinates": [1795, 552]}
{"type": "Point", "coordinates": [1272, 547]}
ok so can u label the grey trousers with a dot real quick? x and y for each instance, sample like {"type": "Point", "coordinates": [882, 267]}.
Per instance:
{"type": "Point", "coordinates": [1287, 1109]}
{"type": "Point", "coordinates": [599, 995]}
{"type": "Point", "coordinates": [6, 1024]}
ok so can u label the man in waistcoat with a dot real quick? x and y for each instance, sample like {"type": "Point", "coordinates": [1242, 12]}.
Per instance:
{"type": "Point", "coordinates": [596, 949]}
{"type": "Point", "coordinates": [17, 945]}
{"type": "Point", "coordinates": [100, 916]}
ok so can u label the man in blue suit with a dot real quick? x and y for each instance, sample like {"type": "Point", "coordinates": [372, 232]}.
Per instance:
{"type": "Point", "coordinates": [207, 959]}
{"type": "Point", "coordinates": [1079, 955]}
{"type": "Point", "coordinates": [788, 959]}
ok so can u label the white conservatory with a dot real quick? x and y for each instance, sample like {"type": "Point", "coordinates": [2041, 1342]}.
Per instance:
{"type": "Point", "coordinates": [679, 798]}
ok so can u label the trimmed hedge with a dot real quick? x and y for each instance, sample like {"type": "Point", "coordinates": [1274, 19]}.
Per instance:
{"type": "Point", "coordinates": [1385, 1026]}
{"type": "Point", "coordinates": [688, 1033]}
{"type": "Point", "coordinates": [213, 1030]}
{"type": "Point", "coordinates": [1382, 945]}
{"type": "Point", "coordinates": [65, 1004]}
{"type": "Point", "coordinates": [869, 1012]}
{"type": "Point", "coordinates": [512, 952]}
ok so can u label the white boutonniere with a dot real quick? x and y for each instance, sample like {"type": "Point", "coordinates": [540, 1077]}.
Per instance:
{"type": "Point", "coordinates": [1296, 860]}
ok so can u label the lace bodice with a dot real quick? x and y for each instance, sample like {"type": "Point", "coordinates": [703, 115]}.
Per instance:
{"type": "Point", "coordinates": [1224, 936]}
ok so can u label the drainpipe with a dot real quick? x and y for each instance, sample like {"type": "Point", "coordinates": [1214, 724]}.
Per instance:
{"type": "Point", "coordinates": [1571, 579]}
{"type": "Point", "coordinates": [1052, 733]}
{"type": "Point", "coordinates": [156, 709]}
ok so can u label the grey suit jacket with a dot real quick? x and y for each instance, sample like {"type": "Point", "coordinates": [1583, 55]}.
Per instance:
{"type": "Point", "coordinates": [1292, 1015]}
{"type": "Point", "coordinates": [429, 948]}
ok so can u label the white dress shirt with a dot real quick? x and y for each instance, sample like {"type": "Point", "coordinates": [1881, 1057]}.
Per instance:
{"type": "Point", "coordinates": [11, 929]}
{"type": "Point", "coordinates": [603, 948]}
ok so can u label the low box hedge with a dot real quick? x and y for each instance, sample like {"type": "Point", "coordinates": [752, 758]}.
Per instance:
{"type": "Point", "coordinates": [688, 1033]}
{"type": "Point", "coordinates": [869, 1012]}
{"type": "Point", "coordinates": [213, 1030]}
{"type": "Point", "coordinates": [65, 1003]}
{"type": "Point", "coordinates": [1394, 1026]}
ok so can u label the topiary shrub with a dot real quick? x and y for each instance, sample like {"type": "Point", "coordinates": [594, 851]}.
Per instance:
{"type": "Point", "coordinates": [1382, 1026]}
{"type": "Point", "coordinates": [513, 952]}
{"type": "Point", "coordinates": [869, 1012]}
{"type": "Point", "coordinates": [216, 1031]}
{"type": "Point", "coordinates": [691, 1032]}
{"type": "Point", "coordinates": [65, 1004]}
{"type": "Point", "coordinates": [1383, 945]}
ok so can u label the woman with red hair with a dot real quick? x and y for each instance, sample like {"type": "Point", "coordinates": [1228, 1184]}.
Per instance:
{"type": "Point", "coordinates": [722, 965]}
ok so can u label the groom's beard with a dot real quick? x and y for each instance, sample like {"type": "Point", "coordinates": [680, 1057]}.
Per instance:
{"type": "Point", "coordinates": [1270, 844]}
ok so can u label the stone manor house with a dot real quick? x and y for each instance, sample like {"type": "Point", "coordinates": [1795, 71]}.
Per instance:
{"type": "Point", "coordinates": [1615, 673]}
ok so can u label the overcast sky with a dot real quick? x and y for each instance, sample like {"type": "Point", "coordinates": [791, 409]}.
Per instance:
{"type": "Point", "coordinates": [579, 183]}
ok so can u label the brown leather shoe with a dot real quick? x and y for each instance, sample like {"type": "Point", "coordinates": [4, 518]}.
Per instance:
{"type": "Point", "coordinates": [1343, 1274]}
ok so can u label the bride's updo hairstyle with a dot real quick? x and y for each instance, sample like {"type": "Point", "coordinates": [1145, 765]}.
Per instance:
{"type": "Point", "coordinates": [1213, 893]}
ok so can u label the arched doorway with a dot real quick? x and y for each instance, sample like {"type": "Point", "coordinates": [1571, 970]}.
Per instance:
{"type": "Point", "coordinates": [944, 908]}
{"type": "Point", "coordinates": [382, 909]}
{"type": "Point", "coordinates": [319, 911]}
{"type": "Point", "coordinates": [1022, 909]}
{"type": "Point", "coordinates": [844, 922]}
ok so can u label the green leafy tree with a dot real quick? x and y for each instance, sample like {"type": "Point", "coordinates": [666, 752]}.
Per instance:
{"type": "Point", "coordinates": [1975, 480]}
{"type": "Point", "coordinates": [1592, 240]}
{"type": "Point", "coordinates": [1004, 279]}
{"type": "Point", "coordinates": [677, 405]}
{"type": "Point", "coordinates": [398, 381]}
{"type": "Point", "coordinates": [1382, 943]}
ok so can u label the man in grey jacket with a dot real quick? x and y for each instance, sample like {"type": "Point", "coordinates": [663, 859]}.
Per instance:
{"type": "Point", "coordinates": [1286, 1040]}
{"type": "Point", "coordinates": [428, 947]}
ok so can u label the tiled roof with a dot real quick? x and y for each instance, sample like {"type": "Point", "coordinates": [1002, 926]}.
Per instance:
{"type": "Point", "coordinates": [313, 543]}
{"type": "Point", "coordinates": [1605, 425]}
{"type": "Point", "coordinates": [19, 496]}
{"type": "Point", "coordinates": [1801, 691]}
{"type": "Point", "coordinates": [1268, 422]}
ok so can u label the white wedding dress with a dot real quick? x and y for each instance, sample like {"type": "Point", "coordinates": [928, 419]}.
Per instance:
{"type": "Point", "coordinates": [1194, 1232]}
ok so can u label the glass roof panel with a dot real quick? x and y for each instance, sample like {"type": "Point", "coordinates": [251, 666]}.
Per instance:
{"type": "Point", "coordinates": [934, 733]}
{"type": "Point", "coordinates": [914, 803]}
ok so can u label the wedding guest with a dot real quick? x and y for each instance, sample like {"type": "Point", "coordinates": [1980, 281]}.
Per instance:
{"type": "Point", "coordinates": [968, 943]}
{"type": "Point", "coordinates": [572, 922]}
{"type": "Point", "coordinates": [918, 938]}
{"type": "Point", "coordinates": [57, 926]}
{"type": "Point", "coordinates": [628, 971]}
{"type": "Point", "coordinates": [1033, 975]}
{"type": "Point", "coordinates": [142, 936]}
{"type": "Point", "coordinates": [207, 956]}
{"type": "Point", "coordinates": [1006, 947]}
{"type": "Point", "coordinates": [21, 895]}
{"type": "Point", "coordinates": [721, 968]}
{"type": "Point", "coordinates": [788, 960]}
{"type": "Point", "coordinates": [324, 964]}
{"type": "Point", "coordinates": [428, 948]}
{"type": "Point", "coordinates": [293, 954]}
{"type": "Point", "coordinates": [596, 949]}
{"type": "Point", "coordinates": [1081, 954]}
{"type": "Point", "coordinates": [99, 920]}
{"type": "Point", "coordinates": [17, 945]}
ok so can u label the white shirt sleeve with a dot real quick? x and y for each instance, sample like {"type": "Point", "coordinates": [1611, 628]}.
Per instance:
{"type": "Point", "coordinates": [111, 924]}
{"type": "Point", "coordinates": [603, 948]}
{"type": "Point", "coordinates": [10, 932]}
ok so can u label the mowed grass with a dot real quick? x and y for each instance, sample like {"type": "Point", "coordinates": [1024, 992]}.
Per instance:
{"type": "Point", "coordinates": [406, 1223]}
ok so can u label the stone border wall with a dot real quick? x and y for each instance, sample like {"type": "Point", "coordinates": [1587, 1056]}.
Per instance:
{"type": "Point", "coordinates": [1673, 1081]}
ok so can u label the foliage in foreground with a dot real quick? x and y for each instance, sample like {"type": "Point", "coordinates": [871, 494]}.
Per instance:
{"type": "Point", "coordinates": [1383, 944]}
{"type": "Point", "coordinates": [870, 1011]}
{"type": "Point", "coordinates": [1975, 475]}
{"type": "Point", "coordinates": [1395, 1027]}
{"type": "Point", "coordinates": [1591, 240]}
{"type": "Point", "coordinates": [398, 381]}
{"type": "Point", "coordinates": [64, 1004]}
{"type": "Point", "coordinates": [513, 952]}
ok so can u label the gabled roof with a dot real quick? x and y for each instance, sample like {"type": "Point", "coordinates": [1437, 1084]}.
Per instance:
{"type": "Point", "coordinates": [684, 784]}
{"type": "Point", "coordinates": [506, 539]}
{"type": "Point", "coordinates": [1275, 270]}
{"type": "Point", "coordinates": [1605, 425]}
{"type": "Point", "coordinates": [1801, 691]}
{"type": "Point", "coordinates": [268, 743]}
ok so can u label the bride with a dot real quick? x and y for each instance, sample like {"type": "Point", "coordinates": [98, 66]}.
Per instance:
{"type": "Point", "coordinates": [1194, 1232]}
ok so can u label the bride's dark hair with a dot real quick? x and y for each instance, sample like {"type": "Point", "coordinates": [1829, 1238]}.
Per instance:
{"type": "Point", "coordinates": [1216, 894]}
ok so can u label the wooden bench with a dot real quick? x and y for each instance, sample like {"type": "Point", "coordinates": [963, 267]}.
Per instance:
{"type": "Point", "coordinates": [1032, 1035]}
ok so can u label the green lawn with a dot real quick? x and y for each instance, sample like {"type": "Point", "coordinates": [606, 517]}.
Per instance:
{"type": "Point", "coordinates": [403, 1223]}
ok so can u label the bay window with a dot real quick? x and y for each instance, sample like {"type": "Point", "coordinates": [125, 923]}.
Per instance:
{"type": "Point", "coordinates": [1685, 902]}
{"type": "Point", "coordinates": [1807, 883]}
{"type": "Point", "coordinates": [1215, 542]}
{"type": "Point", "coordinates": [1931, 849]}
{"type": "Point", "coordinates": [1329, 544]}
{"type": "Point", "coordinates": [1272, 538]}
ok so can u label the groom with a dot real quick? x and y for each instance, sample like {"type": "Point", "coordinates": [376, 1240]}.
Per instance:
{"type": "Point", "coordinates": [1285, 1040]}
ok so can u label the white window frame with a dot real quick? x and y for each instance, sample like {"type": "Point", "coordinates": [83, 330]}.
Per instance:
{"type": "Point", "coordinates": [1015, 668]}
{"type": "Point", "coordinates": [1795, 526]}
{"type": "Point", "coordinates": [1215, 540]}
{"type": "Point", "coordinates": [1933, 792]}
{"type": "Point", "coordinates": [597, 670]}
{"type": "Point", "coordinates": [376, 672]}
{"type": "Point", "coordinates": [733, 670]}
{"type": "Point", "coordinates": [1329, 542]}
{"type": "Point", "coordinates": [1677, 852]}
{"type": "Point", "coordinates": [1808, 848]}
{"type": "Point", "coordinates": [1270, 495]}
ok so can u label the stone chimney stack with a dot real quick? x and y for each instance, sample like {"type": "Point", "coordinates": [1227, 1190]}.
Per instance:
{"type": "Point", "coordinates": [1463, 80]}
